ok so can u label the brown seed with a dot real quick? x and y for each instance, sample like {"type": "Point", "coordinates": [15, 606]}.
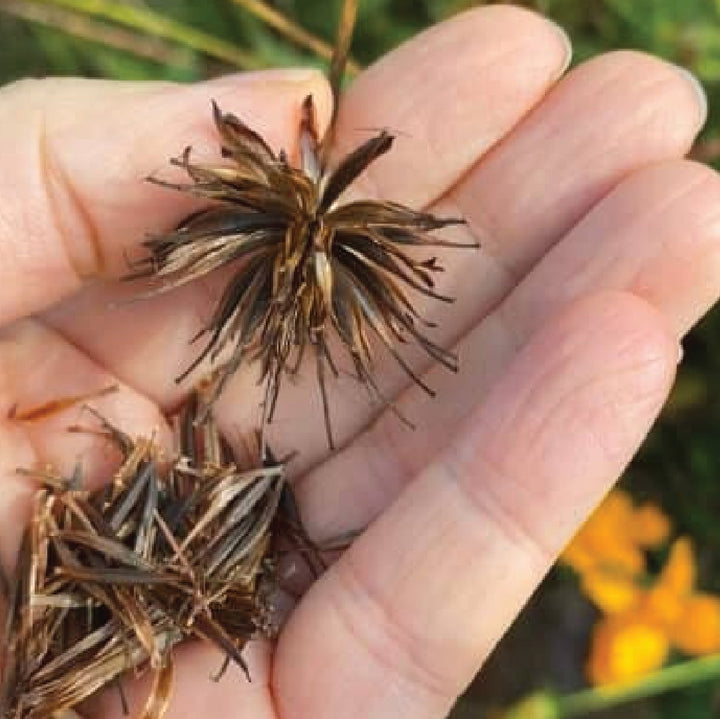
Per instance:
{"type": "Point", "coordinates": [110, 581]}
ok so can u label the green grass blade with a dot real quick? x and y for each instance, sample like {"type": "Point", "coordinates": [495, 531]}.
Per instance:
{"type": "Point", "coordinates": [162, 26]}
{"type": "Point", "coordinates": [83, 27]}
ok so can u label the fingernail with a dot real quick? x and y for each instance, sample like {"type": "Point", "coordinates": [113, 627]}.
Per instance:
{"type": "Point", "coordinates": [699, 91]}
{"type": "Point", "coordinates": [566, 43]}
{"type": "Point", "coordinates": [680, 354]}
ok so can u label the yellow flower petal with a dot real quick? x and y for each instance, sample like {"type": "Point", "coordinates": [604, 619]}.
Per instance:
{"type": "Point", "coordinates": [678, 575]}
{"type": "Point", "coordinates": [606, 538]}
{"type": "Point", "coordinates": [611, 591]}
{"type": "Point", "coordinates": [620, 555]}
{"type": "Point", "coordinates": [625, 648]}
{"type": "Point", "coordinates": [664, 605]}
{"type": "Point", "coordinates": [697, 630]}
{"type": "Point", "coordinates": [578, 556]}
{"type": "Point", "coordinates": [666, 600]}
{"type": "Point", "coordinates": [650, 527]}
{"type": "Point", "coordinates": [617, 507]}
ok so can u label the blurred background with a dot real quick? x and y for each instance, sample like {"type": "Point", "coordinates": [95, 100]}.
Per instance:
{"type": "Point", "coordinates": [541, 670]}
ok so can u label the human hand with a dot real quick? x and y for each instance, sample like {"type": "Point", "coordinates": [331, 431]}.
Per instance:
{"type": "Point", "coordinates": [599, 251]}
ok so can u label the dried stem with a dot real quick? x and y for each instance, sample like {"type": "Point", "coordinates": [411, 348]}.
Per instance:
{"type": "Point", "coordinates": [346, 27]}
{"type": "Point", "coordinates": [294, 32]}
{"type": "Point", "coordinates": [338, 64]}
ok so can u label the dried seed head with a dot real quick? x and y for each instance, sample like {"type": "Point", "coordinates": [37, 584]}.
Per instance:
{"type": "Point", "coordinates": [306, 264]}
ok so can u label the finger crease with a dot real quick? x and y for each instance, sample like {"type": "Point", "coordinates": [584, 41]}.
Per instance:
{"type": "Point", "coordinates": [392, 646]}
{"type": "Point", "coordinates": [487, 503]}
{"type": "Point", "coordinates": [58, 189]}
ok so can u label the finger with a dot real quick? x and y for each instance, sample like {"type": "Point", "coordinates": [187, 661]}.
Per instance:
{"type": "Point", "coordinates": [481, 279]}
{"type": "Point", "coordinates": [414, 606]}
{"type": "Point", "coordinates": [38, 367]}
{"type": "Point", "coordinates": [659, 234]}
{"type": "Point", "coordinates": [75, 204]}
{"type": "Point", "coordinates": [515, 73]}
{"type": "Point", "coordinates": [451, 94]}
{"type": "Point", "coordinates": [194, 693]}
{"type": "Point", "coordinates": [592, 129]}
{"type": "Point", "coordinates": [656, 235]}
{"type": "Point", "coordinates": [607, 118]}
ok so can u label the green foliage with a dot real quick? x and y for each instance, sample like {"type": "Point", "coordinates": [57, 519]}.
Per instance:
{"type": "Point", "coordinates": [692, 703]}
{"type": "Point", "coordinates": [687, 32]}
{"type": "Point", "coordinates": [680, 464]}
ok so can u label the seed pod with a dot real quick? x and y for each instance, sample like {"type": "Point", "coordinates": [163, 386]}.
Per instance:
{"type": "Point", "coordinates": [306, 265]}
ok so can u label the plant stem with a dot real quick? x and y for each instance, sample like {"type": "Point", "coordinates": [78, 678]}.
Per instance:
{"type": "Point", "coordinates": [674, 677]}
{"type": "Point", "coordinates": [162, 26]}
{"type": "Point", "coordinates": [294, 32]}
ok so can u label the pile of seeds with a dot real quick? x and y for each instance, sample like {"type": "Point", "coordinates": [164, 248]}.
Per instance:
{"type": "Point", "coordinates": [110, 580]}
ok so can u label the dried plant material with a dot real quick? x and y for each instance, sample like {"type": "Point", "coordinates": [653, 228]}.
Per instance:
{"type": "Point", "coordinates": [306, 265]}
{"type": "Point", "coordinates": [110, 581]}
{"type": "Point", "coordinates": [55, 406]}
{"type": "Point", "coordinates": [291, 30]}
{"type": "Point", "coordinates": [338, 62]}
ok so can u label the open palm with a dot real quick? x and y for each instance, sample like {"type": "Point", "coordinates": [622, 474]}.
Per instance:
{"type": "Point", "coordinates": [599, 251]}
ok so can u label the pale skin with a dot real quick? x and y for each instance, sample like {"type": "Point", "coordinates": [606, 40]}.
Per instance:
{"type": "Point", "coordinates": [600, 250]}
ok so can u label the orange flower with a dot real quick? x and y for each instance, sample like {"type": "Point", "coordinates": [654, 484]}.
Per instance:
{"type": "Point", "coordinates": [697, 630]}
{"type": "Point", "coordinates": [667, 598]}
{"type": "Point", "coordinates": [641, 622]}
{"type": "Point", "coordinates": [610, 591]}
{"type": "Point", "coordinates": [650, 527]}
{"type": "Point", "coordinates": [644, 623]}
{"type": "Point", "coordinates": [679, 573]}
{"type": "Point", "coordinates": [626, 647]}
{"type": "Point", "coordinates": [608, 551]}
{"type": "Point", "coordinates": [606, 538]}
